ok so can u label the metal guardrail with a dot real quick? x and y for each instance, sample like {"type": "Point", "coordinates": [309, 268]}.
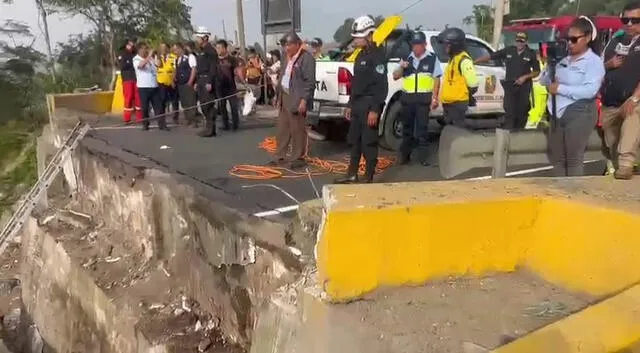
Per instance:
{"type": "Point", "coordinates": [25, 207]}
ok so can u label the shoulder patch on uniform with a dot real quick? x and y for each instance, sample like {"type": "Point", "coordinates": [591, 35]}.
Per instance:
{"type": "Point", "coordinates": [380, 69]}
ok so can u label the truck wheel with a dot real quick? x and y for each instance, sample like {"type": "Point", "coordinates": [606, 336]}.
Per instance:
{"type": "Point", "coordinates": [393, 127]}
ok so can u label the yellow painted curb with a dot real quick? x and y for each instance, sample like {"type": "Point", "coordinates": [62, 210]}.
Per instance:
{"type": "Point", "coordinates": [398, 234]}
{"type": "Point", "coordinates": [610, 326]}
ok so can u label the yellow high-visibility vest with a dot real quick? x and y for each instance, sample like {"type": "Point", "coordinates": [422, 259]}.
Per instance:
{"type": "Point", "coordinates": [419, 80]}
{"type": "Point", "coordinates": [165, 73]}
{"type": "Point", "coordinates": [454, 86]}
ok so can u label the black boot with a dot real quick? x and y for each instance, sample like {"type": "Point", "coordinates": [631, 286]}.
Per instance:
{"type": "Point", "coordinates": [404, 159]}
{"type": "Point", "coordinates": [209, 130]}
{"type": "Point", "coordinates": [348, 179]}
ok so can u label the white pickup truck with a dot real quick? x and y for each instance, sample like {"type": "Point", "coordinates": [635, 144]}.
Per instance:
{"type": "Point", "coordinates": [333, 87]}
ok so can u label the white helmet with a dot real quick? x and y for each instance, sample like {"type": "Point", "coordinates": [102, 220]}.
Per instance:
{"type": "Point", "coordinates": [202, 31]}
{"type": "Point", "coordinates": [363, 26]}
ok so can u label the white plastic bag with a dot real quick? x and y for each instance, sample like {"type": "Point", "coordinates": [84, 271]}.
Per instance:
{"type": "Point", "coordinates": [249, 103]}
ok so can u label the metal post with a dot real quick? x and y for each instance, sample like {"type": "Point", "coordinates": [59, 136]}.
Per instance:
{"type": "Point", "coordinates": [501, 153]}
{"type": "Point", "coordinates": [224, 31]}
{"type": "Point", "coordinates": [241, 37]}
{"type": "Point", "coordinates": [498, 17]}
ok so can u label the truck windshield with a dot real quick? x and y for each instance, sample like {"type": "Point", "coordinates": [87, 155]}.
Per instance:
{"type": "Point", "coordinates": [536, 36]}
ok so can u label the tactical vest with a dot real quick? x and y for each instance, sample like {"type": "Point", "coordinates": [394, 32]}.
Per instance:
{"type": "Point", "coordinates": [454, 86]}
{"type": "Point", "coordinates": [183, 70]}
{"type": "Point", "coordinates": [418, 84]}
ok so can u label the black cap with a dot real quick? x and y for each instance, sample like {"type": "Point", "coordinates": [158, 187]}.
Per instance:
{"type": "Point", "coordinates": [418, 38]}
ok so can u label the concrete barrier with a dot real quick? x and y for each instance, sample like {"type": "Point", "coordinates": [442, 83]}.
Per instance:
{"type": "Point", "coordinates": [89, 102]}
{"type": "Point", "coordinates": [462, 150]}
{"type": "Point", "coordinates": [578, 234]}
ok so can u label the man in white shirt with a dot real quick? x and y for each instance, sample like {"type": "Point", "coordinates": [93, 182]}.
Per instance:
{"type": "Point", "coordinates": [185, 77]}
{"type": "Point", "coordinates": [146, 66]}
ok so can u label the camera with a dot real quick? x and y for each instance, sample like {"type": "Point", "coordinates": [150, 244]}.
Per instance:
{"type": "Point", "coordinates": [554, 51]}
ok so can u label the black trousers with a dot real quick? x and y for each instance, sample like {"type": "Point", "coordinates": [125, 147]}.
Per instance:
{"type": "Point", "coordinates": [362, 138]}
{"type": "Point", "coordinates": [456, 113]}
{"type": "Point", "coordinates": [207, 104]}
{"type": "Point", "coordinates": [170, 99]}
{"type": "Point", "coordinates": [151, 97]}
{"type": "Point", "coordinates": [233, 103]}
{"type": "Point", "coordinates": [517, 103]}
{"type": "Point", "coordinates": [187, 97]}
{"type": "Point", "coordinates": [569, 136]}
{"type": "Point", "coordinates": [415, 130]}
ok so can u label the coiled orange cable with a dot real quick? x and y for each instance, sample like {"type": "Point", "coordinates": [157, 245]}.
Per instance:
{"type": "Point", "coordinates": [317, 166]}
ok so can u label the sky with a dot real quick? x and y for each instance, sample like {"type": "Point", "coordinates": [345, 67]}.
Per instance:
{"type": "Point", "coordinates": [320, 18]}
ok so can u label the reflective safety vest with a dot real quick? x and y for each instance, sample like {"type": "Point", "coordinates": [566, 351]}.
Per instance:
{"type": "Point", "coordinates": [454, 86]}
{"type": "Point", "coordinates": [542, 66]}
{"type": "Point", "coordinates": [538, 102]}
{"type": "Point", "coordinates": [165, 73]}
{"type": "Point", "coordinates": [419, 80]}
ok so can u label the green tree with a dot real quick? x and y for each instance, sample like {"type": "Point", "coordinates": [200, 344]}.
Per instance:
{"type": "Point", "coordinates": [482, 17]}
{"type": "Point", "coordinates": [115, 20]}
{"type": "Point", "coordinates": [22, 97]}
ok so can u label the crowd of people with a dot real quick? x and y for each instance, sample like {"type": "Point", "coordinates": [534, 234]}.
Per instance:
{"type": "Point", "coordinates": [196, 78]}
{"type": "Point", "coordinates": [196, 72]}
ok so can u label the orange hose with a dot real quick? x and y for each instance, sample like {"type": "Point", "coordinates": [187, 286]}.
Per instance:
{"type": "Point", "coordinates": [317, 166]}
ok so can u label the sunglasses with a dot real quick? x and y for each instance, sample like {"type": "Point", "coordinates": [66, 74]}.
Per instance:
{"type": "Point", "coordinates": [575, 39]}
{"type": "Point", "coordinates": [630, 20]}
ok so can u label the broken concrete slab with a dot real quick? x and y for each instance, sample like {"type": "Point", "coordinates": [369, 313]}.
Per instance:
{"type": "Point", "coordinates": [146, 236]}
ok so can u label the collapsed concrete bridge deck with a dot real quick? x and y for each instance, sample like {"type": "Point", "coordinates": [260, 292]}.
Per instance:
{"type": "Point", "coordinates": [144, 260]}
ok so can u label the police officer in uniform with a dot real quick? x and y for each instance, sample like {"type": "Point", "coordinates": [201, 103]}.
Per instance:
{"type": "Point", "coordinates": [369, 89]}
{"type": "Point", "coordinates": [460, 81]}
{"type": "Point", "coordinates": [522, 66]}
{"type": "Point", "coordinates": [207, 68]}
{"type": "Point", "coordinates": [420, 75]}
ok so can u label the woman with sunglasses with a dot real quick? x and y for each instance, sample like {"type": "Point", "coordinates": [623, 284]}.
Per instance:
{"type": "Point", "coordinates": [575, 86]}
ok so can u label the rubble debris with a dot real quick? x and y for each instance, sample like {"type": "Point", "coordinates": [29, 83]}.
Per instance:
{"type": "Point", "coordinates": [80, 214]}
{"type": "Point", "coordinates": [204, 345]}
{"type": "Point", "coordinates": [7, 286]}
{"type": "Point", "coordinates": [11, 320]}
